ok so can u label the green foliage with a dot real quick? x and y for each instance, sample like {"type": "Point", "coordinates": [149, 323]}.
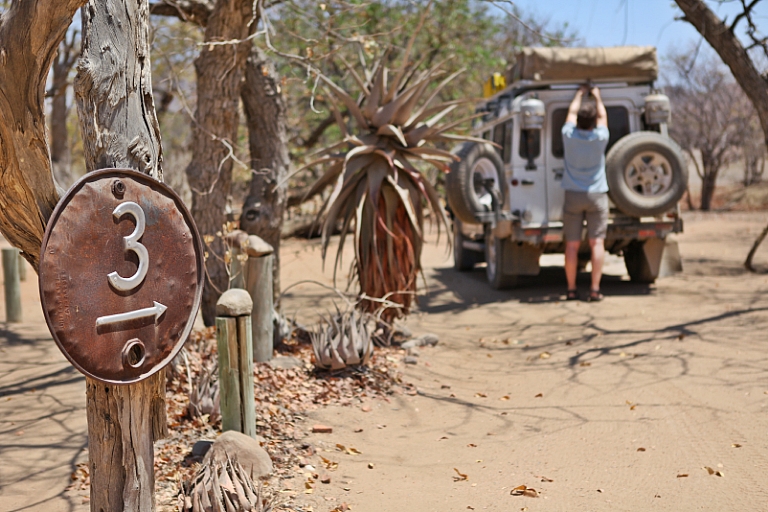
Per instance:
{"type": "Point", "coordinates": [470, 34]}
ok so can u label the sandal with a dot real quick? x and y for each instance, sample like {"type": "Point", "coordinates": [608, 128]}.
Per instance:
{"type": "Point", "coordinates": [571, 295]}
{"type": "Point", "coordinates": [595, 296]}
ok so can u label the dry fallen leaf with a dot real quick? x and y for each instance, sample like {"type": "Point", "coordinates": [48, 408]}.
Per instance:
{"type": "Point", "coordinates": [471, 445]}
{"type": "Point", "coordinates": [599, 490]}
{"type": "Point", "coordinates": [370, 465]}
{"type": "Point", "coordinates": [539, 395]}
{"type": "Point", "coordinates": [350, 450]}
{"type": "Point", "coordinates": [682, 475]}
{"type": "Point", "coordinates": [461, 476]}
{"type": "Point", "coordinates": [736, 445]}
{"type": "Point", "coordinates": [543, 478]}
{"type": "Point", "coordinates": [545, 355]}
{"type": "Point", "coordinates": [481, 395]}
{"type": "Point", "coordinates": [505, 397]}
{"type": "Point", "coordinates": [329, 464]}
{"type": "Point", "coordinates": [522, 490]}
{"type": "Point", "coordinates": [641, 449]}
{"type": "Point", "coordinates": [713, 472]}
{"type": "Point", "coordinates": [585, 363]}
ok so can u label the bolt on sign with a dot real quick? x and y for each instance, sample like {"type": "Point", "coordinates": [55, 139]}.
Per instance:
{"type": "Point", "coordinates": [121, 275]}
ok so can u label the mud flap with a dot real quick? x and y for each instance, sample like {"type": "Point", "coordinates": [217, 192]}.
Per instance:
{"type": "Point", "coordinates": [671, 262]}
{"type": "Point", "coordinates": [653, 249]}
{"type": "Point", "coordinates": [521, 259]}
{"type": "Point", "coordinates": [651, 259]}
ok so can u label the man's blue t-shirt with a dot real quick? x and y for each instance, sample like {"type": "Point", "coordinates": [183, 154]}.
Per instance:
{"type": "Point", "coordinates": [584, 157]}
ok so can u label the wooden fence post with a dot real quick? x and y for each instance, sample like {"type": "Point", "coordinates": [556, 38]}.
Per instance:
{"type": "Point", "coordinates": [233, 336]}
{"type": "Point", "coordinates": [254, 274]}
{"type": "Point", "coordinates": [258, 282]}
{"type": "Point", "coordinates": [22, 268]}
{"type": "Point", "coordinates": [12, 285]}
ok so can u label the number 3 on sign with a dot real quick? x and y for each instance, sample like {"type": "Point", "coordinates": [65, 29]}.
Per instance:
{"type": "Point", "coordinates": [131, 243]}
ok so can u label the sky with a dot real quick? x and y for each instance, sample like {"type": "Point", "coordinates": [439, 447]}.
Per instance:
{"type": "Point", "coordinates": [631, 22]}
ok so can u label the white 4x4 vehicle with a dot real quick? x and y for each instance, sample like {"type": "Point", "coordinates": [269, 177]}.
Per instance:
{"type": "Point", "coordinates": [506, 199]}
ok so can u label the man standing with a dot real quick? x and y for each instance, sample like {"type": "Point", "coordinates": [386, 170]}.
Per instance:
{"type": "Point", "coordinates": [585, 137]}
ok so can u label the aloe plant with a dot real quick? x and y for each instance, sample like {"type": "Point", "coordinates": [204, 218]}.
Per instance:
{"type": "Point", "coordinates": [379, 195]}
{"type": "Point", "coordinates": [342, 340]}
{"type": "Point", "coordinates": [221, 486]}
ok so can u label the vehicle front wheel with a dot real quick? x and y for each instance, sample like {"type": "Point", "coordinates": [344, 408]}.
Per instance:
{"type": "Point", "coordinates": [494, 259]}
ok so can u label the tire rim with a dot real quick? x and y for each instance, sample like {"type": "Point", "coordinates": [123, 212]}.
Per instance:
{"type": "Point", "coordinates": [484, 169]}
{"type": "Point", "coordinates": [648, 174]}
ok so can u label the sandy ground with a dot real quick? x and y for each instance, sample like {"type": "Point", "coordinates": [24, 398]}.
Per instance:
{"type": "Point", "coordinates": [618, 405]}
{"type": "Point", "coordinates": [621, 404]}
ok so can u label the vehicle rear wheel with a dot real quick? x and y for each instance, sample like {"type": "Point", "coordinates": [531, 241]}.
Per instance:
{"type": "Point", "coordinates": [463, 259]}
{"type": "Point", "coordinates": [647, 174]}
{"type": "Point", "coordinates": [494, 259]}
{"type": "Point", "coordinates": [465, 191]}
{"type": "Point", "coordinates": [637, 264]}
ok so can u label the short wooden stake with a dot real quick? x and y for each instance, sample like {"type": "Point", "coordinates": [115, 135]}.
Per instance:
{"type": "Point", "coordinates": [258, 282]}
{"type": "Point", "coordinates": [22, 268]}
{"type": "Point", "coordinates": [12, 285]}
{"type": "Point", "coordinates": [233, 335]}
{"type": "Point", "coordinates": [254, 274]}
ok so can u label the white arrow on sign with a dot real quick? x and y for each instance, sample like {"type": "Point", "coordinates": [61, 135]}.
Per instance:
{"type": "Point", "coordinates": [157, 311]}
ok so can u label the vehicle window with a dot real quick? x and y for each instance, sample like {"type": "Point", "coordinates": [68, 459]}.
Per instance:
{"type": "Point", "coordinates": [618, 126]}
{"type": "Point", "coordinates": [506, 154]}
{"type": "Point", "coordinates": [498, 138]}
{"type": "Point", "coordinates": [530, 144]}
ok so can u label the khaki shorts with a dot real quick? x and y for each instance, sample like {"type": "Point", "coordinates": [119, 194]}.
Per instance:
{"type": "Point", "coordinates": [580, 205]}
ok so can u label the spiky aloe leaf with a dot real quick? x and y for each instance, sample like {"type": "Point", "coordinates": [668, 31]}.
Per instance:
{"type": "Point", "coordinates": [379, 195]}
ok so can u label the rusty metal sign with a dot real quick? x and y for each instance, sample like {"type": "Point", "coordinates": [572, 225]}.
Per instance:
{"type": "Point", "coordinates": [121, 275]}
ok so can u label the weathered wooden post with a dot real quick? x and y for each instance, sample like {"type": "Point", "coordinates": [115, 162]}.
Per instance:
{"type": "Point", "coordinates": [258, 282]}
{"type": "Point", "coordinates": [252, 263]}
{"type": "Point", "coordinates": [233, 335]}
{"type": "Point", "coordinates": [12, 285]}
{"type": "Point", "coordinates": [22, 268]}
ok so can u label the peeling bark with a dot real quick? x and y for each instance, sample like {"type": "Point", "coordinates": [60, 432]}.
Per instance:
{"type": "Point", "coordinates": [30, 33]}
{"type": "Point", "coordinates": [266, 118]}
{"type": "Point", "coordinates": [219, 69]}
{"type": "Point", "coordinates": [113, 89]}
{"type": "Point", "coordinates": [119, 125]}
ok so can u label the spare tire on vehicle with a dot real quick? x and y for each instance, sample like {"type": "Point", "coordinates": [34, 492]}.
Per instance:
{"type": "Point", "coordinates": [647, 174]}
{"type": "Point", "coordinates": [465, 191]}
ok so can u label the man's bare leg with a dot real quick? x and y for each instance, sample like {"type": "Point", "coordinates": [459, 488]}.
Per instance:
{"type": "Point", "coordinates": [597, 245]}
{"type": "Point", "coordinates": [571, 263]}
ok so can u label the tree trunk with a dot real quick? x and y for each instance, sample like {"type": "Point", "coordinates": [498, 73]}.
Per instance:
{"type": "Point", "coordinates": [708, 184]}
{"type": "Point", "coordinates": [30, 32]}
{"type": "Point", "coordinates": [119, 126]}
{"type": "Point", "coordinates": [733, 54]}
{"type": "Point", "coordinates": [265, 115]}
{"type": "Point", "coordinates": [219, 69]}
{"type": "Point", "coordinates": [61, 158]}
